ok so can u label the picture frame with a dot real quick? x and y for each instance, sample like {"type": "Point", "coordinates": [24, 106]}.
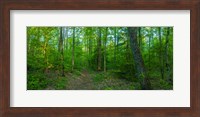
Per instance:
{"type": "Point", "coordinates": [7, 111]}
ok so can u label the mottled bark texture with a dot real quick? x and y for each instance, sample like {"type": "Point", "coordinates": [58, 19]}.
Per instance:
{"type": "Point", "coordinates": [61, 50]}
{"type": "Point", "coordinates": [99, 50]}
{"type": "Point", "coordinates": [139, 63]}
{"type": "Point", "coordinates": [73, 46]}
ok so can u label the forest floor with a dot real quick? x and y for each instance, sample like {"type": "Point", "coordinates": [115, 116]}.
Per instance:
{"type": "Point", "coordinates": [79, 81]}
{"type": "Point", "coordinates": [89, 80]}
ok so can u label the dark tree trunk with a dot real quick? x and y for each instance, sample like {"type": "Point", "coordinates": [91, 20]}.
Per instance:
{"type": "Point", "coordinates": [149, 52]}
{"type": "Point", "coordinates": [115, 44]}
{"type": "Point", "coordinates": [140, 37]}
{"type": "Point", "coordinates": [160, 54]}
{"type": "Point", "coordinates": [66, 38]}
{"type": "Point", "coordinates": [166, 57]}
{"type": "Point", "coordinates": [61, 49]}
{"type": "Point", "coordinates": [90, 49]}
{"type": "Point", "coordinates": [73, 45]}
{"type": "Point", "coordinates": [99, 50]}
{"type": "Point", "coordinates": [105, 49]}
{"type": "Point", "coordinates": [127, 49]}
{"type": "Point", "coordinates": [139, 63]}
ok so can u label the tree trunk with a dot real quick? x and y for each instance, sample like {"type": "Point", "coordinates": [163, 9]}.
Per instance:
{"type": "Point", "coordinates": [38, 39]}
{"type": "Point", "coordinates": [90, 49]}
{"type": "Point", "coordinates": [166, 57]}
{"type": "Point", "coordinates": [73, 45]}
{"type": "Point", "coordinates": [115, 45]}
{"type": "Point", "coordinates": [45, 55]}
{"type": "Point", "coordinates": [45, 51]}
{"type": "Point", "coordinates": [105, 49]}
{"type": "Point", "coordinates": [61, 50]}
{"type": "Point", "coordinates": [99, 50]}
{"type": "Point", "coordinates": [149, 51]}
{"type": "Point", "coordinates": [160, 54]}
{"type": "Point", "coordinates": [140, 37]}
{"type": "Point", "coordinates": [66, 39]}
{"type": "Point", "coordinates": [127, 49]}
{"type": "Point", "coordinates": [139, 63]}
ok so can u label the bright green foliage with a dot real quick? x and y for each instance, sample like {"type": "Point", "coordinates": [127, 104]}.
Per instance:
{"type": "Point", "coordinates": [117, 67]}
{"type": "Point", "coordinates": [36, 81]}
{"type": "Point", "coordinates": [60, 83]}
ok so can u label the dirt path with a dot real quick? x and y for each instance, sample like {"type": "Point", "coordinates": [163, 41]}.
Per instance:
{"type": "Point", "coordinates": [81, 82]}
{"type": "Point", "coordinates": [88, 80]}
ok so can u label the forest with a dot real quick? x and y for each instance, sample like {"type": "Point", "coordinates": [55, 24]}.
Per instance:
{"type": "Point", "coordinates": [99, 58]}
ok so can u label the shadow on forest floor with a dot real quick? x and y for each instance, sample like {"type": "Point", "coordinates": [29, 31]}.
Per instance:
{"type": "Point", "coordinates": [89, 80]}
{"type": "Point", "coordinates": [92, 80]}
{"type": "Point", "coordinates": [86, 80]}
{"type": "Point", "coordinates": [80, 81]}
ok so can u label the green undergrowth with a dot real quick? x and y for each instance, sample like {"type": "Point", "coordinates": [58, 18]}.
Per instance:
{"type": "Point", "coordinates": [36, 81]}
{"type": "Point", "coordinates": [41, 81]}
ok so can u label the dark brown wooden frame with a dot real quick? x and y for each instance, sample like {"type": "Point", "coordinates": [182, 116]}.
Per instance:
{"type": "Point", "coordinates": [7, 5]}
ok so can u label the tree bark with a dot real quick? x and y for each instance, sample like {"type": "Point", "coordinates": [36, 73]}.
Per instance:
{"type": "Point", "coordinates": [105, 49]}
{"type": "Point", "coordinates": [139, 63]}
{"type": "Point", "coordinates": [45, 51]}
{"type": "Point", "coordinates": [99, 50]}
{"type": "Point", "coordinates": [140, 37]}
{"type": "Point", "coordinates": [166, 56]}
{"type": "Point", "coordinates": [61, 50]}
{"type": "Point", "coordinates": [149, 51]}
{"type": "Point", "coordinates": [160, 54]}
{"type": "Point", "coordinates": [66, 38]}
{"type": "Point", "coordinates": [90, 48]}
{"type": "Point", "coordinates": [115, 44]}
{"type": "Point", "coordinates": [73, 45]}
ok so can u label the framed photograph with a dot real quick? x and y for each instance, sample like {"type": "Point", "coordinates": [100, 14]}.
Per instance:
{"type": "Point", "coordinates": [99, 58]}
